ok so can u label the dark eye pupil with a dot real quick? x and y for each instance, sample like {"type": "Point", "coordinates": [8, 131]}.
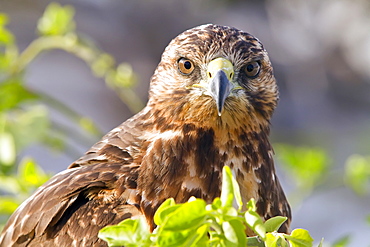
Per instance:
{"type": "Point", "coordinates": [187, 65]}
{"type": "Point", "coordinates": [250, 67]}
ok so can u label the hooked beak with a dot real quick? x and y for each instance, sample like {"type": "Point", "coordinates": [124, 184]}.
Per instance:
{"type": "Point", "coordinates": [220, 72]}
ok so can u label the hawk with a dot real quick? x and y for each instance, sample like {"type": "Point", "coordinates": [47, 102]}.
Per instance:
{"type": "Point", "coordinates": [210, 103]}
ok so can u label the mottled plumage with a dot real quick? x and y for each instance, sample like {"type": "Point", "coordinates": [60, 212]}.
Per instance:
{"type": "Point", "coordinates": [210, 102]}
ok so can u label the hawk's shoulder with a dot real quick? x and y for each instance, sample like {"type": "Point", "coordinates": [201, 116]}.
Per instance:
{"type": "Point", "coordinates": [98, 189]}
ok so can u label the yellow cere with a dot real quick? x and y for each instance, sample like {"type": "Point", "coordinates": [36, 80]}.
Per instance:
{"type": "Point", "coordinates": [220, 64]}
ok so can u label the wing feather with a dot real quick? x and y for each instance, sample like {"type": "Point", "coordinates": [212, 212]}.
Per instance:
{"type": "Point", "coordinates": [50, 203]}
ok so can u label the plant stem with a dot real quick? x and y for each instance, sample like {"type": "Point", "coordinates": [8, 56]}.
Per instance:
{"type": "Point", "coordinates": [71, 44]}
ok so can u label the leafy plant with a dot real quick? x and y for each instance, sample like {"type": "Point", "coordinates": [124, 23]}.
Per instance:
{"type": "Point", "coordinates": [195, 223]}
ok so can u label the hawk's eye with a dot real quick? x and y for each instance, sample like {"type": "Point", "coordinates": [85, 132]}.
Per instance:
{"type": "Point", "coordinates": [185, 66]}
{"type": "Point", "coordinates": [252, 69]}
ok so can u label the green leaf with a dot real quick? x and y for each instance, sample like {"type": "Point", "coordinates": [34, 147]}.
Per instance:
{"type": "Point", "coordinates": [6, 37]}
{"type": "Point", "coordinates": [216, 204]}
{"type": "Point", "coordinates": [229, 213]}
{"type": "Point", "coordinates": [187, 216]}
{"type": "Point", "coordinates": [299, 238]}
{"type": "Point", "coordinates": [227, 188]}
{"type": "Point", "coordinates": [12, 93]}
{"type": "Point", "coordinates": [57, 20]}
{"type": "Point", "coordinates": [201, 237]}
{"type": "Point", "coordinates": [173, 238]}
{"type": "Point", "coordinates": [230, 189]}
{"type": "Point", "coordinates": [342, 242]}
{"type": "Point", "coordinates": [234, 231]}
{"type": "Point", "coordinates": [273, 224]}
{"type": "Point", "coordinates": [254, 221]}
{"type": "Point", "coordinates": [181, 224]}
{"type": "Point", "coordinates": [184, 238]}
{"type": "Point", "coordinates": [357, 173]}
{"type": "Point", "coordinates": [255, 242]}
{"type": "Point", "coordinates": [8, 205]}
{"type": "Point", "coordinates": [3, 19]}
{"type": "Point", "coordinates": [251, 205]}
{"type": "Point", "coordinates": [275, 240]}
{"type": "Point", "coordinates": [162, 216]}
{"type": "Point", "coordinates": [128, 233]}
{"type": "Point", "coordinates": [167, 207]}
{"type": "Point", "coordinates": [7, 59]}
{"type": "Point", "coordinates": [30, 174]}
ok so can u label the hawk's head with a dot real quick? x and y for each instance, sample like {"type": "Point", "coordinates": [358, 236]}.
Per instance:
{"type": "Point", "coordinates": [214, 74]}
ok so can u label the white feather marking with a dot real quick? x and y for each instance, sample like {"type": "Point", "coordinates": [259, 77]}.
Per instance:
{"type": "Point", "coordinates": [168, 134]}
{"type": "Point", "coordinates": [117, 129]}
{"type": "Point", "coordinates": [191, 168]}
{"type": "Point", "coordinates": [237, 161]}
{"type": "Point", "coordinates": [257, 167]}
{"type": "Point", "coordinates": [190, 184]}
{"type": "Point", "coordinates": [101, 157]}
{"type": "Point", "coordinates": [234, 172]}
{"type": "Point", "coordinates": [9, 230]}
{"type": "Point", "coordinates": [143, 196]}
{"type": "Point", "coordinates": [74, 243]}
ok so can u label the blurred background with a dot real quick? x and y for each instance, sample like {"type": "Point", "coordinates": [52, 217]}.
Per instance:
{"type": "Point", "coordinates": [320, 51]}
